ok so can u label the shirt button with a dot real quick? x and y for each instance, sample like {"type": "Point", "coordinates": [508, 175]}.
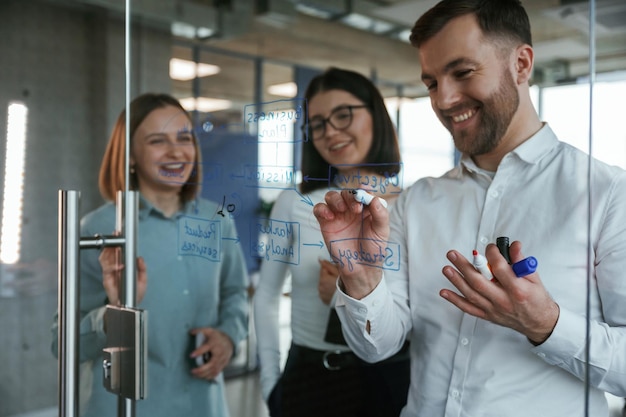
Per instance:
{"type": "Point", "coordinates": [455, 394]}
{"type": "Point", "coordinates": [180, 258]}
{"type": "Point", "coordinates": [464, 341]}
{"type": "Point", "coordinates": [541, 355]}
{"type": "Point", "coordinates": [185, 292]}
{"type": "Point", "coordinates": [494, 193]}
{"type": "Point", "coordinates": [484, 240]}
{"type": "Point", "coordinates": [362, 310]}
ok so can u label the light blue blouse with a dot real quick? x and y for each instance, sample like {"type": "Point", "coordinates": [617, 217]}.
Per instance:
{"type": "Point", "coordinates": [196, 278]}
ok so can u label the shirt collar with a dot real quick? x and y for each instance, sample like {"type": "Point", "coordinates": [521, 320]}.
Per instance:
{"type": "Point", "coordinates": [530, 151]}
{"type": "Point", "coordinates": [146, 208]}
{"type": "Point", "coordinates": [537, 146]}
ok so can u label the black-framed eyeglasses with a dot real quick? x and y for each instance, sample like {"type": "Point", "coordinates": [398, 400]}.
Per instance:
{"type": "Point", "coordinates": [340, 119]}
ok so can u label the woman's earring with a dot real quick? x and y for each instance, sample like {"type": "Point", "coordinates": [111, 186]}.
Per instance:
{"type": "Point", "coordinates": [132, 169]}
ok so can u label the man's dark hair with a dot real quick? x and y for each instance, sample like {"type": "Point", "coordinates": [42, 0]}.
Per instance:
{"type": "Point", "coordinates": [505, 20]}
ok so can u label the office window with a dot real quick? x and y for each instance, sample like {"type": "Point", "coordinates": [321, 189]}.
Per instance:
{"type": "Point", "coordinates": [279, 116]}
{"type": "Point", "coordinates": [426, 146]}
{"type": "Point", "coordinates": [566, 109]}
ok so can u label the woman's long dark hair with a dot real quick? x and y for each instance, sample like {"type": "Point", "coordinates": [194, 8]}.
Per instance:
{"type": "Point", "coordinates": [385, 151]}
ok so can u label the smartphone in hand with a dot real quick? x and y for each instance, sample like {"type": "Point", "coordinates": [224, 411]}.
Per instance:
{"type": "Point", "coordinates": [195, 341]}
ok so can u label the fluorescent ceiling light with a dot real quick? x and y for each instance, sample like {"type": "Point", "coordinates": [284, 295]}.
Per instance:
{"type": "Point", "coordinates": [184, 30]}
{"type": "Point", "coordinates": [205, 104]}
{"type": "Point", "coordinates": [362, 22]}
{"type": "Point", "coordinates": [313, 11]}
{"type": "Point", "coordinates": [184, 70]}
{"type": "Point", "coordinates": [204, 33]}
{"type": "Point", "coordinates": [289, 89]}
{"type": "Point", "coordinates": [404, 35]}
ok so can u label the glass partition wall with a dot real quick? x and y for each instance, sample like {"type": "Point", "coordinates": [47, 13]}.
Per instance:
{"type": "Point", "coordinates": [62, 86]}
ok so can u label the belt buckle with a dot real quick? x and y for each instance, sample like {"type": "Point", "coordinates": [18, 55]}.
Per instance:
{"type": "Point", "coordinates": [327, 364]}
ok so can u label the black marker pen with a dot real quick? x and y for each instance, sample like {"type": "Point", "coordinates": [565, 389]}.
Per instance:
{"type": "Point", "coordinates": [503, 246]}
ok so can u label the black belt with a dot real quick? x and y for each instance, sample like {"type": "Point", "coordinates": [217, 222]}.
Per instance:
{"type": "Point", "coordinates": [332, 360]}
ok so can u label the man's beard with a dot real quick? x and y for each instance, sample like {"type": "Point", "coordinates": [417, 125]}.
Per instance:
{"type": "Point", "coordinates": [496, 114]}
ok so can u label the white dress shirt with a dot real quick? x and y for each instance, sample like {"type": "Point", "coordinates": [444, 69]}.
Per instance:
{"type": "Point", "coordinates": [309, 314]}
{"type": "Point", "coordinates": [465, 366]}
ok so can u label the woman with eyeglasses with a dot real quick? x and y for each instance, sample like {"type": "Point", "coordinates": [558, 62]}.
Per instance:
{"type": "Point", "coordinates": [349, 143]}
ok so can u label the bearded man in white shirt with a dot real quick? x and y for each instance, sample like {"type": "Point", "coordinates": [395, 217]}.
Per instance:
{"type": "Point", "coordinates": [512, 346]}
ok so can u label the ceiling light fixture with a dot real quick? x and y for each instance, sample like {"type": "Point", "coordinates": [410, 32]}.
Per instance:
{"type": "Point", "coordinates": [365, 23]}
{"type": "Point", "coordinates": [184, 70]}
{"type": "Point", "coordinates": [205, 104]}
{"type": "Point", "coordinates": [189, 31]}
{"type": "Point", "coordinates": [310, 10]}
{"type": "Point", "coordinates": [289, 89]}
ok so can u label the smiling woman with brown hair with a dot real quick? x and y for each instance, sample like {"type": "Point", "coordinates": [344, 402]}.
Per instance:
{"type": "Point", "coordinates": [197, 281]}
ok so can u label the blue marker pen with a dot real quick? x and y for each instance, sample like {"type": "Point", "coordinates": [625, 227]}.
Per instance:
{"type": "Point", "coordinates": [525, 267]}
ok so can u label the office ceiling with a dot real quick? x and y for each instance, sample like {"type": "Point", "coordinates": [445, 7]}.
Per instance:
{"type": "Point", "coordinates": [289, 33]}
{"type": "Point", "coordinates": [294, 31]}
{"type": "Point", "coordinates": [364, 35]}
